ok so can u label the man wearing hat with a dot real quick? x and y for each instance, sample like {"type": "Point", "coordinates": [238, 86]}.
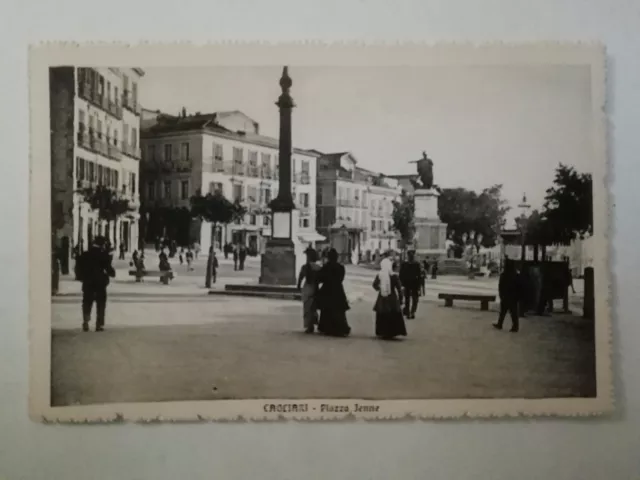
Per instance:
{"type": "Point", "coordinates": [411, 280]}
{"type": "Point", "coordinates": [94, 272]}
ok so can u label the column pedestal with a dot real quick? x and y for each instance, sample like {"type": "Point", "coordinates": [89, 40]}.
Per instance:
{"type": "Point", "coordinates": [431, 233]}
{"type": "Point", "coordinates": [278, 263]}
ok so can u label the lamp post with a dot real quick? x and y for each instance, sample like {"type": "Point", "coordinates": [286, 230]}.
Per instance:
{"type": "Point", "coordinates": [524, 208]}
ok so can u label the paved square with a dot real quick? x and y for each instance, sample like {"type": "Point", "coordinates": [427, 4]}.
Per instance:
{"type": "Point", "coordinates": [198, 347]}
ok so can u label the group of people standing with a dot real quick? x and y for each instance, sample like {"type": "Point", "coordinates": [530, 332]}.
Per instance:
{"type": "Point", "coordinates": [323, 291]}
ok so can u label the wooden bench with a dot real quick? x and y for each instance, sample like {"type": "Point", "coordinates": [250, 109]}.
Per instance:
{"type": "Point", "coordinates": [165, 277]}
{"type": "Point", "coordinates": [483, 299]}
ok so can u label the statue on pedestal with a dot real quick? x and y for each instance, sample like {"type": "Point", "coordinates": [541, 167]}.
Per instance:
{"type": "Point", "coordinates": [425, 173]}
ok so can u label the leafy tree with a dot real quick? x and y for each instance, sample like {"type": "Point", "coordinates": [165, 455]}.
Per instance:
{"type": "Point", "coordinates": [403, 218]}
{"type": "Point", "coordinates": [216, 209]}
{"type": "Point", "coordinates": [239, 210]}
{"type": "Point", "coordinates": [107, 203]}
{"type": "Point", "coordinates": [465, 211]}
{"type": "Point", "coordinates": [568, 207]}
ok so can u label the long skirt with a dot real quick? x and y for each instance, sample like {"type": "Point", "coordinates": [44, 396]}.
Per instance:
{"type": "Point", "coordinates": [309, 310]}
{"type": "Point", "coordinates": [333, 321]}
{"type": "Point", "coordinates": [390, 325]}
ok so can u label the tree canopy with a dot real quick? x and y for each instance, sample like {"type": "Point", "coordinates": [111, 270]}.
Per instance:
{"type": "Point", "coordinates": [213, 207]}
{"type": "Point", "coordinates": [568, 206]}
{"type": "Point", "coordinates": [465, 211]}
{"type": "Point", "coordinates": [403, 217]}
{"type": "Point", "coordinates": [106, 202]}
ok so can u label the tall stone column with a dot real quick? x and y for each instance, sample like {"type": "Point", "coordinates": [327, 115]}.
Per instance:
{"type": "Point", "coordinates": [278, 264]}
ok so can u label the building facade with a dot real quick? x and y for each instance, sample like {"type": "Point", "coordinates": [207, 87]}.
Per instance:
{"type": "Point", "coordinates": [222, 152]}
{"type": "Point", "coordinates": [95, 128]}
{"type": "Point", "coordinates": [355, 207]}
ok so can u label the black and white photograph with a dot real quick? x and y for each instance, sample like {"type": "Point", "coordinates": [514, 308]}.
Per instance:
{"type": "Point", "coordinates": [296, 238]}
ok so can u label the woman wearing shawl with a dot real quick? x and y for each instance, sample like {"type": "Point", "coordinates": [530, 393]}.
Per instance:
{"type": "Point", "coordinates": [309, 274]}
{"type": "Point", "coordinates": [332, 300]}
{"type": "Point", "coordinates": [389, 320]}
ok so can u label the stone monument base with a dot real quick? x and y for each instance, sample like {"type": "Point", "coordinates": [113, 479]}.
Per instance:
{"type": "Point", "coordinates": [278, 265]}
{"type": "Point", "coordinates": [431, 233]}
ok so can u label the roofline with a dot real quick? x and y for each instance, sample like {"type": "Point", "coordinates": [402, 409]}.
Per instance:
{"type": "Point", "coordinates": [231, 136]}
{"type": "Point", "coordinates": [139, 71]}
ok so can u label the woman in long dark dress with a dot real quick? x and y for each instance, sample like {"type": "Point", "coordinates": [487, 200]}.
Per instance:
{"type": "Point", "coordinates": [332, 299]}
{"type": "Point", "coordinates": [389, 319]}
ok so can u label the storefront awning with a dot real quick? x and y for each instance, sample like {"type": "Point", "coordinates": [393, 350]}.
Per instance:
{"type": "Point", "coordinates": [311, 237]}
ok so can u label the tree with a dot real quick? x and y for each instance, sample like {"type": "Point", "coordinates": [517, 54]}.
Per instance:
{"type": "Point", "coordinates": [403, 218]}
{"type": "Point", "coordinates": [107, 203]}
{"type": "Point", "coordinates": [464, 211]}
{"type": "Point", "coordinates": [216, 209]}
{"type": "Point", "coordinates": [568, 206]}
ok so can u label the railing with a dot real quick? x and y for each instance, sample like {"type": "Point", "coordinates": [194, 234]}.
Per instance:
{"type": "Point", "coordinates": [130, 150]}
{"type": "Point", "coordinates": [304, 178]}
{"type": "Point", "coordinates": [114, 152]}
{"type": "Point", "coordinates": [267, 173]}
{"type": "Point", "coordinates": [253, 170]}
{"type": "Point", "coordinates": [130, 103]}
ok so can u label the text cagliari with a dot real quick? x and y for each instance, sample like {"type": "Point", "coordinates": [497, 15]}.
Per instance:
{"type": "Point", "coordinates": [322, 408]}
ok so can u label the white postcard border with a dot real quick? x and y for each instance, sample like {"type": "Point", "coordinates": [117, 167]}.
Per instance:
{"type": "Point", "coordinates": [303, 54]}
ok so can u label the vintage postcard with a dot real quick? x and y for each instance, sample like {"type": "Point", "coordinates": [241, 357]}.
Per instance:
{"type": "Point", "coordinates": [267, 232]}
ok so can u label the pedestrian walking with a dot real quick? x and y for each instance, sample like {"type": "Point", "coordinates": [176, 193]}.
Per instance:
{"type": "Point", "coordinates": [95, 270]}
{"type": "Point", "coordinates": [389, 320]}
{"type": "Point", "coordinates": [122, 251]}
{"type": "Point", "coordinates": [181, 256]}
{"type": "Point", "coordinates": [196, 249]}
{"type": "Point", "coordinates": [332, 299]}
{"type": "Point", "coordinates": [189, 258]}
{"type": "Point", "coordinates": [235, 257]}
{"type": "Point", "coordinates": [510, 292]}
{"type": "Point", "coordinates": [410, 278]}
{"type": "Point", "coordinates": [242, 256]}
{"type": "Point", "coordinates": [214, 265]}
{"type": "Point", "coordinates": [309, 275]}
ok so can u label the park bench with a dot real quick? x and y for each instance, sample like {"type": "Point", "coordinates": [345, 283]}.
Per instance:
{"type": "Point", "coordinates": [165, 277]}
{"type": "Point", "coordinates": [483, 299]}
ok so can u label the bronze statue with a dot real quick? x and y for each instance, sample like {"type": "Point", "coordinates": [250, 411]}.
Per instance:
{"type": "Point", "coordinates": [425, 173]}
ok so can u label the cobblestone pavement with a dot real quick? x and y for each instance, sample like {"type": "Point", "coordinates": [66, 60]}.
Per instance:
{"type": "Point", "coordinates": [202, 348]}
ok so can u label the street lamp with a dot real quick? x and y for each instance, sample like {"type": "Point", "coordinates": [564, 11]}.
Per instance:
{"type": "Point", "coordinates": [524, 208]}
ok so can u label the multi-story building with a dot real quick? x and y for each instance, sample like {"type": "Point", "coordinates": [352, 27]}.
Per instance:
{"type": "Point", "coordinates": [95, 125]}
{"type": "Point", "coordinates": [355, 207]}
{"type": "Point", "coordinates": [224, 152]}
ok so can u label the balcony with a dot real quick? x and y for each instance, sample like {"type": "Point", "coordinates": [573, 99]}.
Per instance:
{"type": "Point", "coordinates": [238, 168]}
{"type": "Point", "coordinates": [113, 151]}
{"type": "Point", "coordinates": [130, 103]}
{"type": "Point", "coordinates": [131, 151]}
{"type": "Point", "coordinates": [304, 178]}
{"type": "Point", "coordinates": [266, 173]}
{"type": "Point", "coordinates": [115, 109]}
{"type": "Point", "coordinates": [253, 170]}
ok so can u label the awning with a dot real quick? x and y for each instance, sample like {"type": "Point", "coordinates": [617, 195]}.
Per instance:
{"type": "Point", "coordinates": [311, 237]}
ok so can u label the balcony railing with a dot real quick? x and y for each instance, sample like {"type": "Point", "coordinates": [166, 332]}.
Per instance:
{"type": "Point", "coordinates": [130, 103]}
{"type": "Point", "coordinates": [130, 150]}
{"type": "Point", "coordinates": [253, 170]}
{"type": "Point", "coordinates": [304, 178]}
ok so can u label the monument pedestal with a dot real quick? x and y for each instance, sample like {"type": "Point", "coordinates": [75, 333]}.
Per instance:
{"type": "Point", "coordinates": [431, 233]}
{"type": "Point", "coordinates": [280, 261]}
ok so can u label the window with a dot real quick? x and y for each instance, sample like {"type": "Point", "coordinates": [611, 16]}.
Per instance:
{"type": "Point", "coordinates": [184, 151]}
{"type": "Point", "coordinates": [125, 134]}
{"type": "Point", "coordinates": [253, 158]}
{"type": "Point", "coordinates": [252, 219]}
{"type": "Point", "coordinates": [304, 200]}
{"type": "Point", "coordinates": [92, 172]}
{"type": "Point", "coordinates": [237, 155]}
{"type": "Point", "coordinates": [217, 151]}
{"type": "Point", "coordinates": [373, 225]}
{"type": "Point", "coordinates": [267, 196]}
{"type": "Point", "coordinates": [151, 152]}
{"type": "Point", "coordinates": [184, 189]}
{"type": "Point", "coordinates": [134, 138]}
{"type": "Point", "coordinates": [79, 168]}
{"type": "Point", "coordinates": [216, 187]}
{"type": "Point", "coordinates": [167, 152]}
{"type": "Point", "coordinates": [115, 137]}
{"type": "Point", "coordinates": [109, 91]}
{"type": "Point", "coordinates": [252, 194]}
{"type": "Point", "coordinates": [304, 222]}
{"type": "Point", "coordinates": [117, 98]}
{"type": "Point", "coordinates": [108, 133]}
{"type": "Point", "coordinates": [237, 192]}
{"type": "Point", "coordinates": [101, 87]}
{"type": "Point", "coordinates": [99, 128]}
{"type": "Point", "coordinates": [134, 92]}
{"type": "Point", "coordinates": [265, 161]}
{"type": "Point", "coordinates": [81, 119]}
{"type": "Point", "coordinates": [167, 189]}
{"type": "Point", "coordinates": [265, 220]}
{"type": "Point", "coordinates": [132, 183]}
{"type": "Point", "coordinates": [116, 178]}
{"type": "Point", "coordinates": [100, 174]}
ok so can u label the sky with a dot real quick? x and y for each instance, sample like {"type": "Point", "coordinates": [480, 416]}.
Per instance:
{"type": "Point", "coordinates": [481, 126]}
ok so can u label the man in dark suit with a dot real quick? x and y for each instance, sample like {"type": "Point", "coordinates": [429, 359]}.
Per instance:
{"type": "Point", "coordinates": [95, 269]}
{"type": "Point", "coordinates": [411, 280]}
{"type": "Point", "coordinates": [510, 291]}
